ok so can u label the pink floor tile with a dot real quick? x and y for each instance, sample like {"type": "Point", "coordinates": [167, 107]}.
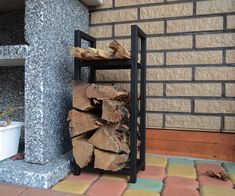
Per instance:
{"type": "Point", "coordinates": [207, 180]}
{"type": "Point", "coordinates": [152, 172]}
{"type": "Point", "coordinates": [173, 191]}
{"type": "Point", "coordinates": [84, 177]}
{"type": "Point", "coordinates": [181, 182]}
{"type": "Point", "coordinates": [203, 168]}
{"type": "Point", "coordinates": [107, 187]}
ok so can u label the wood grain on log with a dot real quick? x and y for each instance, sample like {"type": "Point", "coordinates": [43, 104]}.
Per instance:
{"type": "Point", "coordinates": [82, 151]}
{"type": "Point", "coordinates": [107, 138]}
{"type": "Point", "coordinates": [101, 92]}
{"type": "Point", "coordinates": [109, 161]}
{"type": "Point", "coordinates": [81, 122]}
{"type": "Point", "coordinates": [119, 52]}
{"type": "Point", "coordinates": [80, 100]}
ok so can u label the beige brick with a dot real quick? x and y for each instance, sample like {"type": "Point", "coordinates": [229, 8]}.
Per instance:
{"type": "Point", "coordinates": [113, 75]}
{"type": "Point", "coordinates": [119, 3]}
{"type": "Point", "coordinates": [215, 6]}
{"type": "Point", "coordinates": [163, 11]}
{"type": "Point", "coordinates": [200, 89]}
{"type": "Point", "coordinates": [230, 90]}
{"type": "Point", "coordinates": [106, 4]}
{"type": "Point", "coordinates": [173, 42]}
{"type": "Point", "coordinates": [231, 22]}
{"type": "Point", "coordinates": [195, 57]}
{"type": "Point", "coordinates": [214, 106]}
{"type": "Point", "coordinates": [147, 27]}
{"type": "Point", "coordinates": [215, 73]}
{"type": "Point", "coordinates": [114, 16]}
{"type": "Point", "coordinates": [155, 58]}
{"type": "Point", "coordinates": [193, 122]}
{"type": "Point", "coordinates": [153, 120]}
{"type": "Point", "coordinates": [152, 89]}
{"type": "Point", "coordinates": [101, 31]}
{"type": "Point", "coordinates": [104, 44]}
{"type": "Point", "coordinates": [197, 24]}
{"type": "Point", "coordinates": [230, 56]}
{"type": "Point", "coordinates": [168, 105]}
{"type": "Point", "coordinates": [229, 123]}
{"type": "Point", "coordinates": [166, 74]}
{"type": "Point", "coordinates": [215, 40]}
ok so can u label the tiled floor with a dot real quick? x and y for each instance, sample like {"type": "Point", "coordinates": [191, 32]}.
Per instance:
{"type": "Point", "coordinates": [163, 176]}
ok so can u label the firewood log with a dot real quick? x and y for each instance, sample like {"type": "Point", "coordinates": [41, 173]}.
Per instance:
{"type": "Point", "coordinates": [81, 122]}
{"type": "Point", "coordinates": [109, 161]}
{"type": "Point", "coordinates": [101, 92]}
{"type": "Point", "coordinates": [119, 52]}
{"type": "Point", "coordinates": [107, 138]}
{"type": "Point", "coordinates": [80, 100]}
{"type": "Point", "coordinates": [114, 111]}
{"type": "Point", "coordinates": [82, 151]}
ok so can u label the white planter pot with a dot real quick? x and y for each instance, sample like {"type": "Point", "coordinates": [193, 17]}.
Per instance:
{"type": "Point", "coordinates": [9, 139]}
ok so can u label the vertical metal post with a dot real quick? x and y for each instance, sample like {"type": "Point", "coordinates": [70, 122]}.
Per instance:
{"type": "Point", "coordinates": [143, 102]}
{"type": "Point", "coordinates": [133, 137]}
{"type": "Point", "coordinates": [77, 68]}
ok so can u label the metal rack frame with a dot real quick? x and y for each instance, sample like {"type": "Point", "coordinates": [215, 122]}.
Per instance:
{"type": "Point", "coordinates": [136, 34]}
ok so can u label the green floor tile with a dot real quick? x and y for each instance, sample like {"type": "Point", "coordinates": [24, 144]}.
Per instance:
{"type": "Point", "coordinates": [183, 170]}
{"type": "Point", "coordinates": [208, 162]}
{"type": "Point", "coordinates": [181, 161]}
{"type": "Point", "coordinates": [230, 167]}
{"type": "Point", "coordinates": [146, 184]}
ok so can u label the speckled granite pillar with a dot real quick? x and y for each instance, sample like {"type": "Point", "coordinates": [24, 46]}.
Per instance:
{"type": "Point", "coordinates": [48, 73]}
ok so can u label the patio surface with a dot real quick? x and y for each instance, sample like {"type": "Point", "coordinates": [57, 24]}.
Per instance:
{"type": "Point", "coordinates": [163, 176]}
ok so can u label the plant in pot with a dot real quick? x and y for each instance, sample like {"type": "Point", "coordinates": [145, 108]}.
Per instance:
{"type": "Point", "coordinates": [9, 133]}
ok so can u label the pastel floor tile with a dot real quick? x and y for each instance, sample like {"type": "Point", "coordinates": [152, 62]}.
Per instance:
{"type": "Point", "coordinates": [208, 162]}
{"type": "Point", "coordinates": [43, 192]}
{"type": "Point", "coordinates": [107, 187]}
{"type": "Point", "coordinates": [134, 192]}
{"type": "Point", "coordinates": [207, 180]}
{"type": "Point", "coordinates": [146, 184]}
{"type": "Point", "coordinates": [203, 168]}
{"type": "Point", "coordinates": [7, 189]}
{"type": "Point", "coordinates": [152, 172]}
{"type": "Point", "coordinates": [181, 161]}
{"type": "Point", "coordinates": [174, 191]}
{"type": "Point", "coordinates": [232, 178]}
{"type": "Point", "coordinates": [115, 177]}
{"type": "Point", "coordinates": [230, 167]}
{"type": "Point", "coordinates": [216, 191]}
{"type": "Point", "coordinates": [71, 187]}
{"type": "Point", "coordinates": [181, 182]}
{"type": "Point", "coordinates": [183, 170]}
{"type": "Point", "coordinates": [83, 177]}
{"type": "Point", "coordinates": [156, 161]}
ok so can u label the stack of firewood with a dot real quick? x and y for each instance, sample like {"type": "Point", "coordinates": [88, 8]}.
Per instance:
{"type": "Point", "coordinates": [118, 52]}
{"type": "Point", "coordinates": [99, 126]}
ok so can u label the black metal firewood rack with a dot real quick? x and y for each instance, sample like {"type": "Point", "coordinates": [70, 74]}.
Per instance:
{"type": "Point", "coordinates": [136, 164]}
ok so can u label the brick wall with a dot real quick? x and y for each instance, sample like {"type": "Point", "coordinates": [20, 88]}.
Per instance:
{"type": "Point", "coordinates": [191, 58]}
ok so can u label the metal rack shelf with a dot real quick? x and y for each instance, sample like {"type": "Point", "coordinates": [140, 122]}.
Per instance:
{"type": "Point", "coordinates": [132, 64]}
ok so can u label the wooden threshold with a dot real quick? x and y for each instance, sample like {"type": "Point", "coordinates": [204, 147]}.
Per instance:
{"type": "Point", "coordinates": [198, 144]}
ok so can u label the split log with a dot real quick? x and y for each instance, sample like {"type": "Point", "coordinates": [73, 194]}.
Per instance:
{"type": "Point", "coordinates": [82, 151]}
{"type": "Point", "coordinates": [114, 111]}
{"type": "Point", "coordinates": [109, 161]}
{"type": "Point", "coordinates": [119, 52]}
{"type": "Point", "coordinates": [81, 122]}
{"type": "Point", "coordinates": [101, 92]}
{"type": "Point", "coordinates": [107, 138]}
{"type": "Point", "coordinates": [90, 53]}
{"type": "Point", "coordinates": [80, 100]}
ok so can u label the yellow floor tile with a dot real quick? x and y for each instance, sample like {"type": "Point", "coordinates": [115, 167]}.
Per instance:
{"type": "Point", "coordinates": [232, 178]}
{"type": "Point", "coordinates": [216, 191]}
{"type": "Point", "coordinates": [182, 170]}
{"type": "Point", "coordinates": [156, 161]}
{"type": "Point", "coordinates": [134, 192]}
{"type": "Point", "coordinates": [71, 187]}
{"type": "Point", "coordinates": [115, 177]}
